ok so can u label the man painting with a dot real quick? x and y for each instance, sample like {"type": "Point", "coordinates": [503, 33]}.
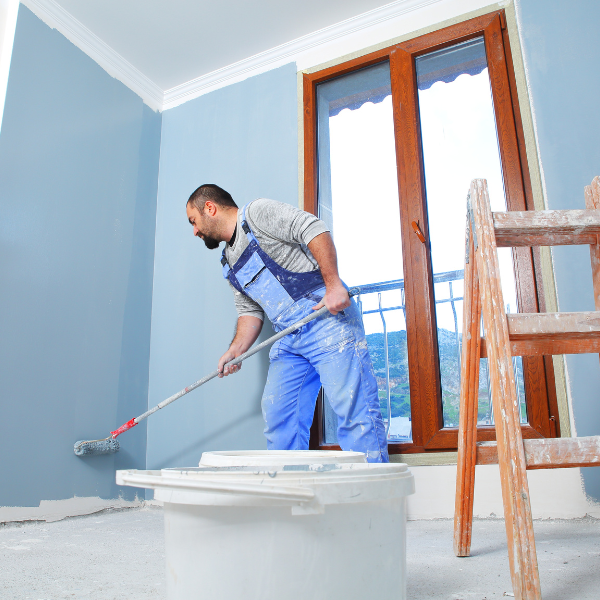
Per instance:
{"type": "Point", "coordinates": [281, 261]}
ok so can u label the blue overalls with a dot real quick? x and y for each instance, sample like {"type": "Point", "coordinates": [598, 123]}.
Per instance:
{"type": "Point", "coordinates": [330, 351]}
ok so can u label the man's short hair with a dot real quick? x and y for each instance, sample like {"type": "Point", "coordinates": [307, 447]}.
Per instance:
{"type": "Point", "coordinates": [210, 191]}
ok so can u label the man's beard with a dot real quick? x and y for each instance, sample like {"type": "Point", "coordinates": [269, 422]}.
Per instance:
{"type": "Point", "coordinates": [211, 243]}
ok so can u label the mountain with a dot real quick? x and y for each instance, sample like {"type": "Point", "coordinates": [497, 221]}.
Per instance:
{"type": "Point", "coordinates": [449, 362]}
{"type": "Point", "coordinates": [398, 363]}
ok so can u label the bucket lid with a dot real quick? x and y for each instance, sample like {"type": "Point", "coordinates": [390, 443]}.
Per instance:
{"type": "Point", "coordinates": [258, 458]}
{"type": "Point", "coordinates": [307, 488]}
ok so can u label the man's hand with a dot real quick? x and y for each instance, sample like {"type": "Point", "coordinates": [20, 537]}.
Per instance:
{"type": "Point", "coordinates": [225, 369]}
{"type": "Point", "coordinates": [336, 295]}
{"type": "Point", "coordinates": [247, 331]}
{"type": "Point", "coordinates": [336, 299]}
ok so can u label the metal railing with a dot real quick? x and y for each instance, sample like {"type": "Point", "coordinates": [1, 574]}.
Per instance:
{"type": "Point", "coordinates": [398, 284]}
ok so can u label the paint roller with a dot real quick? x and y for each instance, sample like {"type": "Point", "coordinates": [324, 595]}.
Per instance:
{"type": "Point", "coordinates": [110, 444]}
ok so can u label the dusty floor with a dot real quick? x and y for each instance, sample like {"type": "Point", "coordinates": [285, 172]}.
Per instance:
{"type": "Point", "coordinates": [119, 555]}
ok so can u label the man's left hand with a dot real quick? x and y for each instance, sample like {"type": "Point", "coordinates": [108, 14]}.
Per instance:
{"type": "Point", "coordinates": [336, 299]}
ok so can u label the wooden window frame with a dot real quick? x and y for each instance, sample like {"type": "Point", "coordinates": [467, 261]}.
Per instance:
{"type": "Point", "coordinates": [429, 433]}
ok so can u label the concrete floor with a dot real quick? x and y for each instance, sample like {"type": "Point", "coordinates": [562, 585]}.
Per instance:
{"type": "Point", "coordinates": [120, 555]}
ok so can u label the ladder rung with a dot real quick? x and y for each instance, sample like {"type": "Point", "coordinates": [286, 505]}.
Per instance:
{"type": "Point", "coordinates": [546, 227]}
{"type": "Point", "coordinates": [566, 325]}
{"type": "Point", "coordinates": [549, 347]}
{"type": "Point", "coordinates": [549, 453]}
{"type": "Point", "coordinates": [546, 334]}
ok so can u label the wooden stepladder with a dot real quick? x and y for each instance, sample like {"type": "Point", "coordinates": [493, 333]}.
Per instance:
{"type": "Point", "coordinates": [517, 335]}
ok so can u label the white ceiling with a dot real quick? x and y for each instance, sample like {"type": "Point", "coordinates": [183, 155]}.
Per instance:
{"type": "Point", "coordinates": [175, 41]}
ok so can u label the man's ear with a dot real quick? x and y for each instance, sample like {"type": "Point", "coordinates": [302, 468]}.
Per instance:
{"type": "Point", "coordinates": [210, 208]}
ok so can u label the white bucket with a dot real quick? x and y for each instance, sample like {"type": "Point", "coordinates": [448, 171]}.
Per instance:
{"type": "Point", "coordinates": [299, 526]}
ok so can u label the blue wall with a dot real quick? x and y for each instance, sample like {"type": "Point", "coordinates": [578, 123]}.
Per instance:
{"type": "Point", "coordinates": [78, 177]}
{"type": "Point", "coordinates": [563, 56]}
{"type": "Point", "coordinates": [78, 185]}
{"type": "Point", "coordinates": [243, 138]}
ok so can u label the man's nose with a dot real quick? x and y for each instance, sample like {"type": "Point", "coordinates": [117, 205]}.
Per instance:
{"type": "Point", "coordinates": [195, 230]}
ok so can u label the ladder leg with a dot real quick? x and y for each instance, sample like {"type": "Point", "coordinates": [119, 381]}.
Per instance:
{"type": "Point", "coordinates": [592, 201]}
{"type": "Point", "coordinates": [469, 396]}
{"type": "Point", "coordinates": [511, 456]}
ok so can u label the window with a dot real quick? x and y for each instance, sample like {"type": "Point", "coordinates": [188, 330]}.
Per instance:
{"type": "Point", "coordinates": [392, 141]}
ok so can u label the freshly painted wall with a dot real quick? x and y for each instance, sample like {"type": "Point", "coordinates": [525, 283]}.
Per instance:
{"type": "Point", "coordinates": [206, 140]}
{"type": "Point", "coordinates": [78, 181]}
{"type": "Point", "coordinates": [243, 138]}
{"type": "Point", "coordinates": [562, 54]}
{"type": "Point", "coordinates": [78, 184]}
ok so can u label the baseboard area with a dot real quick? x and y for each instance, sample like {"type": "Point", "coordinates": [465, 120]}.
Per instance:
{"type": "Point", "coordinates": [555, 493]}
{"type": "Point", "coordinates": [56, 510]}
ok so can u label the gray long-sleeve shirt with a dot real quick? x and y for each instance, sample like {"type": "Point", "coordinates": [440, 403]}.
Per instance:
{"type": "Point", "coordinates": [284, 233]}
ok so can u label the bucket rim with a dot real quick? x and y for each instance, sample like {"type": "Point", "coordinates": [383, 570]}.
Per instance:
{"type": "Point", "coordinates": [241, 458]}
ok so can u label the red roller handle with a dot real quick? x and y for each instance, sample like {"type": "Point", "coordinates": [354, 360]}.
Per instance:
{"type": "Point", "coordinates": [123, 428]}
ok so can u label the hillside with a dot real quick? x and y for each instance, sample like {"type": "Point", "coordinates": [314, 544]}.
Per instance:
{"type": "Point", "coordinates": [449, 371]}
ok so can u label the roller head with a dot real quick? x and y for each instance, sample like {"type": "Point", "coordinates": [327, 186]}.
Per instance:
{"type": "Point", "coordinates": [94, 447]}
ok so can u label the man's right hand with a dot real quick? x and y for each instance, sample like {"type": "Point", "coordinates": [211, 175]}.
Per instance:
{"type": "Point", "coordinates": [225, 369]}
{"type": "Point", "coordinates": [247, 331]}
{"type": "Point", "coordinates": [336, 298]}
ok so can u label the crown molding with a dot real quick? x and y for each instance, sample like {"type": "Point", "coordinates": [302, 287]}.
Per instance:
{"type": "Point", "coordinates": [115, 65]}
{"type": "Point", "coordinates": [287, 52]}
{"type": "Point", "coordinates": [112, 62]}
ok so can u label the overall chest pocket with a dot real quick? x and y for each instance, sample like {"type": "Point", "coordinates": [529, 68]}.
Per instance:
{"type": "Point", "coordinates": [262, 286]}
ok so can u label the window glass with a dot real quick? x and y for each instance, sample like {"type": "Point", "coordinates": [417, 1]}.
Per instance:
{"type": "Point", "coordinates": [358, 199]}
{"type": "Point", "coordinates": [459, 144]}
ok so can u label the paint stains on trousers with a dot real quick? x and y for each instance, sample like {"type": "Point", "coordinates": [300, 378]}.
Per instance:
{"type": "Point", "coordinates": [330, 351]}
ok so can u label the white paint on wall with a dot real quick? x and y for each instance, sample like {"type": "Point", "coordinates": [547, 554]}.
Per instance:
{"type": "Point", "coordinates": [532, 104]}
{"type": "Point", "coordinates": [569, 388]}
{"type": "Point", "coordinates": [56, 510]}
{"type": "Point", "coordinates": [8, 23]}
{"type": "Point", "coordinates": [555, 493]}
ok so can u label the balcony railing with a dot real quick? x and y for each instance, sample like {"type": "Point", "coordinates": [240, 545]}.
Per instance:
{"type": "Point", "coordinates": [399, 428]}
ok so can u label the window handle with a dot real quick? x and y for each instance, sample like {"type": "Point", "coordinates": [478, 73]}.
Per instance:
{"type": "Point", "coordinates": [417, 230]}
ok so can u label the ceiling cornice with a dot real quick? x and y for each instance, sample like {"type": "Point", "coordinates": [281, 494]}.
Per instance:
{"type": "Point", "coordinates": [115, 65]}
{"type": "Point", "coordinates": [112, 62]}
{"type": "Point", "coordinates": [287, 52]}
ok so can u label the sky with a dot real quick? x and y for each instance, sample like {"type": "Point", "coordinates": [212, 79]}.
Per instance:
{"type": "Point", "coordinates": [459, 144]}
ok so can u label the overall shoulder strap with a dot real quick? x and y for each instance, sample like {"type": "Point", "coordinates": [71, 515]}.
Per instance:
{"type": "Point", "coordinates": [245, 225]}
{"type": "Point", "coordinates": [246, 231]}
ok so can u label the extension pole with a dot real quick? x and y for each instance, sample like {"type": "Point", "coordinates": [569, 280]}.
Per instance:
{"type": "Point", "coordinates": [110, 444]}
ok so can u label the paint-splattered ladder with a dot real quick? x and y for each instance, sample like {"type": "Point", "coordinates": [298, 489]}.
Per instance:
{"type": "Point", "coordinates": [517, 335]}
